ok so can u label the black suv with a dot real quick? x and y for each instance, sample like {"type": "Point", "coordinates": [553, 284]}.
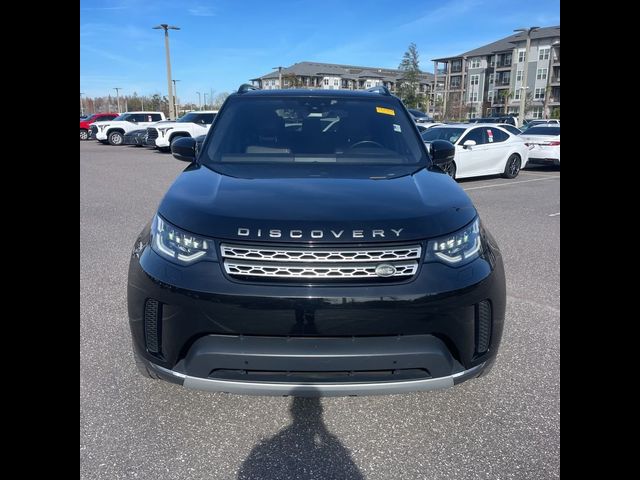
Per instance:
{"type": "Point", "coordinates": [312, 246]}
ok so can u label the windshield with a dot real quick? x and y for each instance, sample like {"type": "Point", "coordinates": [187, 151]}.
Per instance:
{"type": "Point", "coordinates": [450, 134]}
{"type": "Point", "coordinates": [123, 117]}
{"type": "Point", "coordinates": [203, 118]}
{"type": "Point", "coordinates": [308, 130]}
{"type": "Point", "coordinates": [539, 130]}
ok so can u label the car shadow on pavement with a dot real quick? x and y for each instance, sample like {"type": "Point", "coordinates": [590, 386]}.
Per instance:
{"type": "Point", "coordinates": [303, 450]}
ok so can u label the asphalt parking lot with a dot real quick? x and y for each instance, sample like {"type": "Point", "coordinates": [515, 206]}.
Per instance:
{"type": "Point", "coordinates": [503, 426]}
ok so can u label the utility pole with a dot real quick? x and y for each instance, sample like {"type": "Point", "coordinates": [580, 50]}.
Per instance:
{"type": "Point", "coordinates": [523, 95]}
{"type": "Point", "coordinates": [81, 107]}
{"type": "Point", "coordinates": [205, 100]}
{"type": "Point", "coordinates": [175, 95]}
{"type": "Point", "coordinates": [199, 101]}
{"type": "Point", "coordinates": [166, 28]}
{"type": "Point", "coordinates": [117, 89]}
{"type": "Point", "coordinates": [279, 76]}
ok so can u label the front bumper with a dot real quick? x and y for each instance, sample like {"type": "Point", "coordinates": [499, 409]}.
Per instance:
{"type": "Point", "coordinates": [217, 334]}
{"type": "Point", "coordinates": [101, 135]}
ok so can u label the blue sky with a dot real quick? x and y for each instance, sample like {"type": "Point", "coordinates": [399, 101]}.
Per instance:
{"type": "Point", "coordinates": [224, 43]}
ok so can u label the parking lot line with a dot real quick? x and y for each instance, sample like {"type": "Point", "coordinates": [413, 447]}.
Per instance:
{"type": "Point", "coordinates": [511, 183]}
{"type": "Point", "coordinates": [554, 214]}
{"type": "Point", "coordinates": [539, 174]}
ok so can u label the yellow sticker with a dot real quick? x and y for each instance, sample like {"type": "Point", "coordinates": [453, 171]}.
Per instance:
{"type": "Point", "coordinates": [386, 111]}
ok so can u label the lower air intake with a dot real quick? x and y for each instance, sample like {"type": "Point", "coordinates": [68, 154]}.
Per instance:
{"type": "Point", "coordinates": [152, 316]}
{"type": "Point", "coordinates": [483, 326]}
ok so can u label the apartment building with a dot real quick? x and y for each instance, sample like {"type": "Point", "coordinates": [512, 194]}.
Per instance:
{"type": "Point", "coordinates": [333, 77]}
{"type": "Point", "coordinates": [489, 80]}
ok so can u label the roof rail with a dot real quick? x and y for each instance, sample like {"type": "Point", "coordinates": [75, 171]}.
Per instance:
{"type": "Point", "coordinates": [245, 87]}
{"type": "Point", "coordinates": [381, 89]}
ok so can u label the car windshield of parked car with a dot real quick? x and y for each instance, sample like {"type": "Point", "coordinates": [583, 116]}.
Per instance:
{"type": "Point", "coordinates": [312, 130]}
{"type": "Point", "coordinates": [417, 113]}
{"type": "Point", "coordinates": [202, 118]}
{"type": "Point", "coordinates": [450, 134]}
{"type": "Point", "coordinates": [543, 130]}
{"type": "Point", "coordinates": [123, 117]}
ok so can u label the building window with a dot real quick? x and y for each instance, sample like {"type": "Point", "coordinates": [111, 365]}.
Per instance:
{"type": "Point", "coordinates": [491, 78]}
{"type": "Point", "coordinates": [326, 81]}
{"type": "Point", "coordinates": [475, 62]}
{"type": "Point", "coordinates": [542, 74]}
{"type": "Point", "coordinates": [543, 53]}
{"type": "Point", "coordinates": [490, 96]}
{"type": "Point", "coordinates": [474, 79]}
{"type": "Point", "coordinates": [473, 96]}
{"type": "Point", "coordinates": [539, 94]}
{"type": "Point", "coordinates": [516, 94]}
{"type": "Point", "coordinates": [492, 61]}
{"type": "Point", "coordinates": [519, 76]}
{"type": "Point", "coordinates": [368, 84]}
{"type": "Point", "coordinates": [536, 112]}
{"type": "Point", "coordinates": [521, 56]}
{"type": "Point", "coordinates": [335, 83]}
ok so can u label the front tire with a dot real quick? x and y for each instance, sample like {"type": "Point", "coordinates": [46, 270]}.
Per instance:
{"type": "Point", "coordinates": [116, 138]}
{"type": "Point", "coordinates": [84, 134]}
{"type": "Point", "coordinates": [512, 168]}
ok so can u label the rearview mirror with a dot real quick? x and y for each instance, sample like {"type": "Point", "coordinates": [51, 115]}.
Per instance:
{"type": "Point", "coordinates": [442, 152]}
{"type": "Point", "coordinates": [184, 149]}
{"type": "Point", "coordinates": [469, 143]}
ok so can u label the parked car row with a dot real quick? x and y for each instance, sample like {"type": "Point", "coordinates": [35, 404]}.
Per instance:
{"type": "Point", "coordinates": [490, 149]}
{"type": "Point", "coordinates": [148, 128]}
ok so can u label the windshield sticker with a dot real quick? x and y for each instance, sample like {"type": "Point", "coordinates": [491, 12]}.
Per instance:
{"type": "Point", "coordinates": [386, 111]}
{"type": "Point", "coordinates": [490, 134]}
{"type": "Point", "coordinates": [396, 128]}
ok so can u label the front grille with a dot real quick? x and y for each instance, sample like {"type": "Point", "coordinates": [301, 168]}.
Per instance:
{"type": "Point", "coordinates": [94, 130]}
{"type": "Point", "coordinates": [323, 264]}
{"type": "Point", "coordinates": [152, 133]}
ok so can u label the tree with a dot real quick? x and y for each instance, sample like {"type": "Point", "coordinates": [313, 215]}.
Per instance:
{"type": "Point", "coordinates": [220, 98]}
{"type": "Point", "coordinates": [555, 113]}
{"type": "Point", "coordinates": [409, 83]}
{"type": "Point", "coordinates": [291, 80]}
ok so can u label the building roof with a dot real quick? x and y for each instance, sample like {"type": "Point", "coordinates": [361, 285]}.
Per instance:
{"type": "Point", "coordinates": [506, 43]}
{"type": "Point", "coordinates": [310, 69]}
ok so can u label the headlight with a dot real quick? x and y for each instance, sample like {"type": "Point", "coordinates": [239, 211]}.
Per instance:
{"type": "Point", "coordinates": [177, 245]}
{"type": "Point", "coordinates": [457, 248]}
{"type": "Point", "coordinates": [102, 126]}
{"type": "Point", "coordinates": [164, 129]}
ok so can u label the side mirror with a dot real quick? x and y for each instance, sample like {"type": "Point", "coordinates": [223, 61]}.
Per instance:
{"type": "Point", "coordinates": [469, 143]}
{"type": "Point", "coordinates": [184, 149]}
{"type": "Point", "coordinates": [442, 152]}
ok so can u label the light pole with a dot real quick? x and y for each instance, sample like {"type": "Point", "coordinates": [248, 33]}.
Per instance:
{"type": "Point", "coordinates": [205, 100]}
{"type": "Point", "coordinates": [199, 101]}
{"type": "Point", "coordinates": [279, 75]}
{"type": "Point", "coordinates": [166, 28]}
{"type": "Point", "coordinates": [117, 89]}
{"type": "Point", "coordinates": [527, 31]}
{"type": "Point", "coordinates": [175, 97]}
{"type": "Point", "coordinates": [81, 107]}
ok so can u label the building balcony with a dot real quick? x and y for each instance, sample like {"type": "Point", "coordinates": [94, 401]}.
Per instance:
{"type": "Point", "coordinates": [503, 65]}
{"type": "Point", "coordinates": [555, 81]}
{"type": "Point", "coordinates": [555, 60]}
{"type": "Point", "coordinates": [554, 101]}
{"type": "Point", "coordinates": [502, 85]}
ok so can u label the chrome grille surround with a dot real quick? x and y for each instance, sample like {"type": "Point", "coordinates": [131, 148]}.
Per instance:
{"type": "Point", "coordinates": [319, 263]}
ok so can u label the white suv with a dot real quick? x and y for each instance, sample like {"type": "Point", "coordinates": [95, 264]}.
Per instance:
{"type": "Point", "coordinates": [192, 124]}
{"type": "Point", "coordinates": [113, 131]}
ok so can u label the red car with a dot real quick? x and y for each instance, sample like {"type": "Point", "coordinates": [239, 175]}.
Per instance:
{"type": "Point", "coordinates": [85, 124]}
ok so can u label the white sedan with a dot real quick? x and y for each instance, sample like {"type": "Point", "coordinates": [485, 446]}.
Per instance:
{"type": "Point", "coordinates": [544, 144]}
{"type": "Point", "coordinates": [481, 149]}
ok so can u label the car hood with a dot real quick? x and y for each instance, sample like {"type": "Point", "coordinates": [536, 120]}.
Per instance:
{"type": "Point", "coordinates": [316, 210]}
